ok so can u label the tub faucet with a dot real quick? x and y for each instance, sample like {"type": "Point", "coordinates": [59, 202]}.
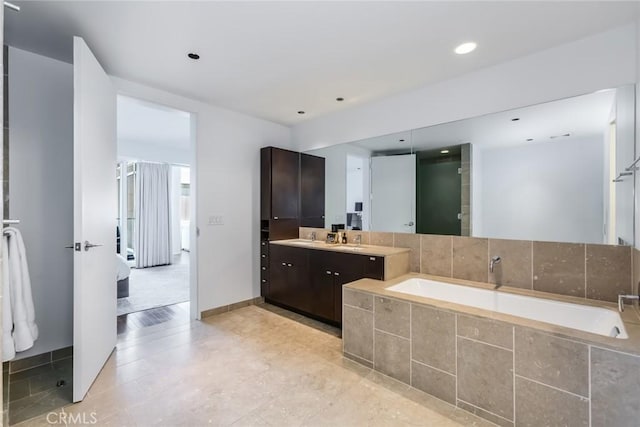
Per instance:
{"type": "Point", "coordinates": [313, 236]}
{"type": "Point", "coordinates": [494, 260]}
{"type": "Point", "coordinates": [621, 299]}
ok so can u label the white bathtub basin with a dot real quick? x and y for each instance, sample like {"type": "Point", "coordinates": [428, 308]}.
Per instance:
{"type": "Point", "coordinates": [597, 320]}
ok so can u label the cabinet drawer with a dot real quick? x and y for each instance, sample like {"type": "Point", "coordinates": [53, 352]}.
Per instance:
{"type": "Point", "coordinates": [374, 267]}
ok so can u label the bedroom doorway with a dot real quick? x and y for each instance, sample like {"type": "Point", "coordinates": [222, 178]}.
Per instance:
{"type": "Point", "coordinates": [155, 211]}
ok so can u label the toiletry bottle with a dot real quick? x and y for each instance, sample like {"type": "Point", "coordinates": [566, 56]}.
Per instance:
{"type": "Point", "coordinates": [344, 237]}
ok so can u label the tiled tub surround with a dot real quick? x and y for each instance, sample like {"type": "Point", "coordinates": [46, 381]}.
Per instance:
{"type": "Point", "coordinates": [506, 369]}
{"type": "Point", "coordinates": [599, 272]}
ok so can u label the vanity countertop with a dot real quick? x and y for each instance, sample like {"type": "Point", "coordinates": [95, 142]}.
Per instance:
{"type": "Point", "coordinates": [630, 317]}
{"type": "Point", "coordinates": [371, 250]}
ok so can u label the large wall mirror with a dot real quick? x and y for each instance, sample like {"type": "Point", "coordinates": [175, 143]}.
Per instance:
{"type": "Point", "coordinates": [557, 171]}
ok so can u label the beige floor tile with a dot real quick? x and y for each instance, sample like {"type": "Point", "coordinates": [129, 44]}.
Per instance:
{"type": "Point", "coordinates": [250, 367]}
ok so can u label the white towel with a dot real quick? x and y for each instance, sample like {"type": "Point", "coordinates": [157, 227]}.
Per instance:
{"type": "Point", "coordinates": [25, 330]}
{"type": "Point", "coordinates": [8, 348]}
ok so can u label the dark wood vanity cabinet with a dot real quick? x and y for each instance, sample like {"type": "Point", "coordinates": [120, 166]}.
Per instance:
{"type": "Point", "coordinates": [312, 284]}
{"type": "Point", "coordinates": [288, 276]}
{"type": "Point", "coordinates": [291, 195]}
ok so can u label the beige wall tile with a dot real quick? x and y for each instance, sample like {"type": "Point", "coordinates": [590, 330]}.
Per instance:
{"type": "Point", "coordinates": [380, 238]}
{"type": "Point", "coordinates": [485, 377]}
{"type": "Point", "coordinates": [539, 405]}
{"type": "Point", "coordinates": [357, 299]}
{"type": "Point", "coordinates": [553, 361]}
{"type": "Point", "coordinates": [391, 316]}
{"type": "Point", "coordinates": [486, 330]}
{"type": "Point", "coordinates": [433, 337]}
{"type": "Point", "coordinates": [615, 385]}
{"type": "Point", "coordinates": [437, 383]}
{"type": "Point", "coordinates": [484, 414]}
{"type": "Point", "coordinates": [396, 265]}
{"type": "Point", "coordinates": [470, 258]}
{"type": "Point", "coordinates": [515, 268]}
{"type": "Point", "coordinates": [559, 268]}
{"type": "Point", "coordinates": [436, 255]}
{"type": "Point", "coordinates": [357, 332]}
{"type": "Point", "coordinates": [608, 271]}
{"type": "Point", "coordinates": [411, 241]}
{"type": "Point", "coordinates": [351, 236]}
{"type": "Point", "coordinates": [392, 356]}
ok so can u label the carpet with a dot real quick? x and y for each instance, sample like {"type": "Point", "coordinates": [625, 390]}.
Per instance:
{"type": "Point", "coordinates": [157, 286]}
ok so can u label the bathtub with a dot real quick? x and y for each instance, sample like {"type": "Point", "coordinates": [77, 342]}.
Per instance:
{"type": "Point", "coordinates": [597, 320]}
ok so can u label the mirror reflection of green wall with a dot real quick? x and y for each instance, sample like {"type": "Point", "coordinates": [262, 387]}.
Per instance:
{"type": "Point", "coordinates": [543, 172]}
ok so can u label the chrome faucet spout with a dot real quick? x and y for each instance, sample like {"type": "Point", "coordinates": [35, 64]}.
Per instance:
{"type": "Point", "coordinates": [359, 239]}
{"type": "Point", "coordinates": [313, 236]}
{"type": "Point", "coordinates": [621, 299]}
{"type": "Point", "coordinates": [494, 260]}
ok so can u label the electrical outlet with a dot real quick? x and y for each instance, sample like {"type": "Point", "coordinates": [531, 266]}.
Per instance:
{"type": "Point", "coordinates": [216, 220]}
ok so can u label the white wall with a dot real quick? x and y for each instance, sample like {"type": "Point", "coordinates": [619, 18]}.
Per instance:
{"type": "Point", "coordinates": [226, 163]}
{"type": "Point", "coordinates": [601, 61]}
{"type": "Point", "coordinates": [41, 187]}
{"type": "Point", "coordinates": [546, 191]}
{"type": "Point", "coordinates": [147, 151]}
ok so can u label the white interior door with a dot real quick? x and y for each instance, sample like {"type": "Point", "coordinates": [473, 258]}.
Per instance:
{"type": "Point", "coordinates": [393, 193]}
{"type": "Point", "coordinates": [94, 204]}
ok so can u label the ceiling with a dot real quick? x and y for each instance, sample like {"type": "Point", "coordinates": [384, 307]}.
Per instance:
{"type": "Point", "coordinates": [581, 117]}
{"type": "Point", "coordinates": [144, 122]}
{"type": "Point", "coordinates": [272, 59]}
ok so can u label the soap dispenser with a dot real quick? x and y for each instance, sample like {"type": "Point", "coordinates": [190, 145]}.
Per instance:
{"type": "Point", "coordinates": [344, 237]}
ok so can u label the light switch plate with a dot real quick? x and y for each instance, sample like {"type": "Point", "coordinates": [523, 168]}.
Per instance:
{"type": "Point", "coordinates": [216, 220]}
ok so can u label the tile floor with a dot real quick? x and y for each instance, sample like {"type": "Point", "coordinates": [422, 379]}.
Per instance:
{"type": "Point", "coordinates": [248, 367]}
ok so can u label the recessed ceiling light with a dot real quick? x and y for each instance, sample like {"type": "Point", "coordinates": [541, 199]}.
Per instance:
{"type": "Point", "coordinates": [515, 119]}
{"type": "Point", "coordinates": [300, 112]}
{"type": "Point", "coordinates": [444, 151]}
{"type": "Point", "coordinates": [567, 134]}
{"type": "Point", "coordinates": [401, 140]}
{"type": "Point", "coordinates": [193, 56]}
{"type": "Point", "coordinates": [340, 99]}
{"type": "Point", "coordinates": [529, 139]}
{"type": "Point", "coordinates": [465, 48]}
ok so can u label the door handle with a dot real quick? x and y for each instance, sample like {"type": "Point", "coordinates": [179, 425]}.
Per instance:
{"type": "Point", "coordinates": [88, 245]}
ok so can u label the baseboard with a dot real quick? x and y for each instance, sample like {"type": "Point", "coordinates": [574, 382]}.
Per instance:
{"type": "Point", "coordinates": [231, 307]}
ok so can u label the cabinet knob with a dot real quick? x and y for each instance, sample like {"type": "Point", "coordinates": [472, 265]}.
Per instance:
{"type": "Point", "coordinates": [372, 258]}
{"type": "Point", "coordinates": [328, 272]}
{"type": "Point", "coordinates": [264, 280]}
{"type": "Point", "coordinates": [336, 274]}
{"type": "Point", "coordinates": [263, 243]}
{"type": "Point", "coordinates": [289, 265]}
{"type": "Point", "coordinates": [275, 217]}
{"type": "Point", "coordinates": [264, 268]}
{"type": "Point", "coordinates": [284, 264]}
{"type": "Point", "coordinates": [263, 256]}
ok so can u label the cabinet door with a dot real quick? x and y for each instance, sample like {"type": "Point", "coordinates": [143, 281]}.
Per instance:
{"type": "Point", "coordinates": [373, 267]}
{"type": "Point", "coordinates": [321, 284]}
{"type": "Point", "coordinates": [312, 188]}
{"type": "Point", "coordinates": [349, 268]}
{"type": "Point", "coordinates": [265, 183]}
{"type": "Point", "coordinates": [284, 183]}
{"type": "Point", "coordinates": [288, 276]}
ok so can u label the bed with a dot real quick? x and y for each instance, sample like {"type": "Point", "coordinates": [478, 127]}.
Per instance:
{"type": "Point", "coordinates": [122, 276]}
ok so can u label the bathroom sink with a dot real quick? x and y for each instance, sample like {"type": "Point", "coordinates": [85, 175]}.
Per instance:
{"type": "Point", "coordinates": [303, 242]}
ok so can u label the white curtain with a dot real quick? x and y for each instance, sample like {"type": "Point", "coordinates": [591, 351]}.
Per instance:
{"type": "Point", "coordinates": [153, 222]}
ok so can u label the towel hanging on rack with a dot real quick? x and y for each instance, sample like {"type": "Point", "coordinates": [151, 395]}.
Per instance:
{"type": "Point", "coordinates": [19, 327]}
